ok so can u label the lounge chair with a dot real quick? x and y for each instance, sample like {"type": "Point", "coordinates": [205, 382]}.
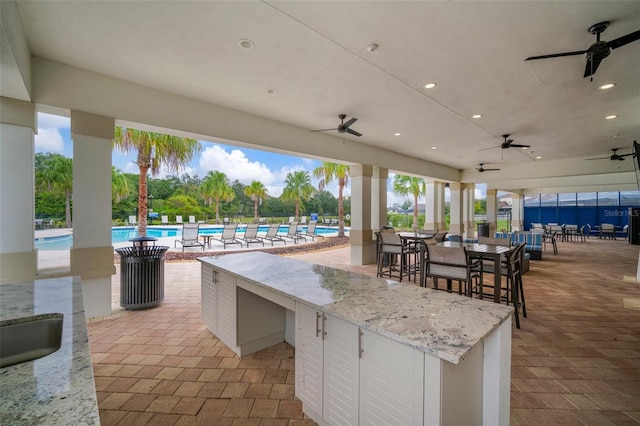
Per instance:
{"type": "Point", "coordinates": [131, 221]}
{"type": "Point", "coordinates": [311, 231]}
{"type": "Point", "coordinates": [251, 235]}
{"type": "Point", "coordinates": [293, 234]}
{"type": "Point", "coordinates": [179, 219]}
{"type": "Point", "coordinates": [225, 221]}
{"type": "Point", "coordinates": [229, 236]}
{"type": "Point", "coordinates": [164, 220]}
{"type": "Point", "coordinates": [192, 219]}
{"type": "Point", "coordinates": [303, 220]}
{"type": "Point", "coordinates": [272, 234]}
{"type": "Point", "coordinates": [190, 236]}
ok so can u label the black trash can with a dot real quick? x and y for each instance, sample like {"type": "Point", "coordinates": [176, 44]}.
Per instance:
{"type": "Point", "coordinates": [483, 230]}
{"type": "Point", "coordinates": [141, 274]}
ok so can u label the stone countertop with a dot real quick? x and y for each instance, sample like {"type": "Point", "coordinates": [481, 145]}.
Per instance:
{"type": "Point", "coordinates": [57, 389]}
{"type": "Point", "coordinates": [444, 325]}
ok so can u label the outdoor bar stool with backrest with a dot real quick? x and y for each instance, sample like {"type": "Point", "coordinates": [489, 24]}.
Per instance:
{"type": "Point", "coordinates": [394, 256]}
{"type": "Point", "coordinates": [514, 290]}
{"type": "Point", "coordinates": [452, 264]}
{"type": "Point", "coordinates": [608, 230]}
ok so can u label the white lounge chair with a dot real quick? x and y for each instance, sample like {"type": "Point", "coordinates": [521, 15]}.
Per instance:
{"type": "Point", "coordinates": [179, 219]}
{"type": "Point", "coordinates": [251, 235]}
{"type": "Point", "coordinates": [311, 231]}
{"type": "Point", "coordinates": [164, 220]}
{"type": "Point", "coordinates": [229, 236]}
{"type": "Point", "coordinates": [293, 234]}
{"type": "Point", "coordinates": [192, 219]}
{"type": "Point", "coordinates": [131, 221]}
{"type": "Point", "coordinates": [190, 236]}
{"type": "Point", "coordinates": [272, 234]}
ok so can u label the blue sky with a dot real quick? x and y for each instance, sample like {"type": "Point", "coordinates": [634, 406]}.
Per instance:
{"type": "Point", "coordinates": [242, 164]}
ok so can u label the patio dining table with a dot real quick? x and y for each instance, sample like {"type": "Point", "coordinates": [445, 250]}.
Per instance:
{"type": "Point", "coordinates": [487, 251]}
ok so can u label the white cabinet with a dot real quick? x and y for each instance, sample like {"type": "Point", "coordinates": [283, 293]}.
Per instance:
{"type": "Point", "coordinates": [219, 303]}
{"type": "Point", "coordinates": [208, 296]}
{"type": "Point", "coordinates": [347, 376]}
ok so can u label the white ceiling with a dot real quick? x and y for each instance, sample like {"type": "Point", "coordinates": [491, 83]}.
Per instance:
{"type": "Point", "coordinates": [314, 55]}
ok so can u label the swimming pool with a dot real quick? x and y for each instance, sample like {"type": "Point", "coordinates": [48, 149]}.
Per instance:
{"type": "Point", "coordinates": [122, 235]}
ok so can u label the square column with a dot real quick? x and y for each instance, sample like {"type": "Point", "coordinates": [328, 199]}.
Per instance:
{"type": "Point", "coordinates": [517, 212]}
{"type": "Point", "coordinates": [379, 198]}
{"type": "Point", "coordinates": [434, 205]}
{"type": "Point", "coordinates": [492, 210]}
{"type": "Point", "coordinates": [18, 258]}
{"type": "Point", "coordinates": [469, 210]}
{"type": "Point", "coordinates": [92, 252]}
{"type": "Point", "coordinates": [363, 249]}
{"type": "Point", "coordinates": [456, 224]}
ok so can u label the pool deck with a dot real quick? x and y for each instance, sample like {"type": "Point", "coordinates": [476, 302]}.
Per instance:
{"type": "Point", "coordinates": [58, 261]}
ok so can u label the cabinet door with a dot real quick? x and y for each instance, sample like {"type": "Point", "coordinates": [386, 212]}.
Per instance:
{"type": "Point", "coordinates": [226, 308]}
{"type": "Point", "coordinates": [309, 358]}
{"type": "Point", "coordinates": [341, 371]}
{"type": "Point", "coordinates": [208, 294]}
{"type": "Point", "coordinates": [391, 382]}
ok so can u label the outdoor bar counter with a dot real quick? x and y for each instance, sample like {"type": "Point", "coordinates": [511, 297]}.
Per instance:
{"type": "Point", "coordinates": [57, 389]}
{"type": "Point", "coordinates": [367, 350]}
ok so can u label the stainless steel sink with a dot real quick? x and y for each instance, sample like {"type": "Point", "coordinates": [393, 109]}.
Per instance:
{"type": "Point", "coordinates": [28, 338]}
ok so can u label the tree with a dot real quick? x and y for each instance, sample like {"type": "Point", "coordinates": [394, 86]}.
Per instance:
{"type": "Point", "coordinates": [327, 173]}
{"type": "Point", "coordinates": [297, 188]}
{"type": "Point", "coordinates": [119, 185]}
{"type": "Point", "coordinates": [407, 185]}
{"type": "Point", "coordinates": [153, 150]}
{"type": "Point", "coordinates": [216, 187]}
{"type": "Point", "coordinates": [54, 173]}
{"type": "Point", "coordinates": [257, 192]}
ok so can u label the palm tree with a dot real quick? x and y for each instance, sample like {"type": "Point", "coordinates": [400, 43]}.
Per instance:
{"type": "Point", "coordinates": [216, 187]}
{"type": "Point", "coordinates": [297, 188]}
{"type": "Point", "coordinates": [257, 192]}
{"type": "Point", "coordinates": [119, 185]}
{"type": "Point", "coordinates": [407, 185]}
{"type": "Point", "coordinates": [55, 174]}
{"type": "Point", "coordinates": [153, 150]}
{"type": "Point", "coordinates": [326, 173]}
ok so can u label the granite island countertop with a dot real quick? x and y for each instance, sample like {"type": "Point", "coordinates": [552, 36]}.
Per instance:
{"type": "Point", "coordinates": [57, 389]}
{"type": "Point", "coordinates": [441, 324]}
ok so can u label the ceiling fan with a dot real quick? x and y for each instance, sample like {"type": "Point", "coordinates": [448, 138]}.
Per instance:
{"type": "Point", "coordinates": [343, 127]}
{"type": "Point", "coordinates": [598, 50]}
{"type": "Point", "coordinates": [615, 156]}
{"type": "Point", "coordinates": [481, 169]}
{"type": "Point", "coordinates": [508, 143]}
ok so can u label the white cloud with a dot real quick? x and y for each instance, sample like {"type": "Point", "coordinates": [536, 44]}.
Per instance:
{"type": "Point", "coordinates": [49, 140]}
{"type": "Point", "coordinates": [235, 165]}
{"type": "Point", "coordinates": [49, 121]}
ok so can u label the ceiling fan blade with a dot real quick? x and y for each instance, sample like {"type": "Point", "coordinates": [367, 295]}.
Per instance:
{"type": "Point", "coordinates": [599, 158]}
{"type": "Point", "coordinates": [349, 123]}
{"type": "Point", "coordinates": [515, 145]}
{"type": "Point", "coordinates": [592, 65]}
{"type": "Point", "coordinates": [621, 41]}
{"type": "Point", "coordinates": [324, 130]}
{"type": "Point", "coordinates": [625, 155]}
{"type": "Point", "coordinates": [556, 55]}
{"type": "Point", "coordinates": [353, 132]}
{"type": "Point", "coordinates": [493, 147]}
{"type": "Point", "coordinates": [491, 170]}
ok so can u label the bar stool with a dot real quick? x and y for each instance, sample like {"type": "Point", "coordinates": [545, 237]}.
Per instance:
{"type": "Point", "coordinates": [394, 256]}
{"type": "Point", "coordinates": [514, 290]}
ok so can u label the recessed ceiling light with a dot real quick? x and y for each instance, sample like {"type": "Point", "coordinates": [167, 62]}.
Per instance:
{"type": "Point", "coordinates": [609, 117]}
{"type": "Point", "coordinates": [429, 85]}
{"type": "Point", "coordinates": [614, 136]}
{"type": "Point", "coordinates": [272, 91]}
{"type": "Point", "coordinates": [397, 134]}
{"type": "Point", "coordinates": [372, 47]}
{"type": "Point", "coordinates": [246, 44]}
{"type": "Point", "coordinates": [607, 86]}
{"type": "Point", "coordinates": [434, 147]}
{"type": "Point", "coordinates": [476, 116]}
{"type": "Point", "coordinates": [538, 157]}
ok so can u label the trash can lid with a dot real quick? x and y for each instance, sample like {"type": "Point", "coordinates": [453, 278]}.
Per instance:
{"type": "Point", "coordinates": [142, 239]}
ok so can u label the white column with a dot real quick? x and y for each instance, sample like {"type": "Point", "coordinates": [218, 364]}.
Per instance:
{"type": "Point", "coordinates": [18, 258]}
{"type": "Point", "coordinates": [469, 201]}
{"type": "Point", "coordinates": [456, 206]}
{"type": "Point", "coordinates": [430, 205]}
{"type": "Point", "coordinates": [517, 212]}
{"type": "Point", "coordinates": [363, 249]}
{"type": "Point", "coordinates": [438, 206]}
{"type": "Point", "coordinates": [379, 198]}
{"type": "Point", "coordinates": [92, 252]}
{"type": "Point", "coordinates": [492, 211]}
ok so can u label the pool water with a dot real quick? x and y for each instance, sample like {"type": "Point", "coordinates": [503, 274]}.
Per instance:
{"type": "Point", "coordinates": [121, 235]}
